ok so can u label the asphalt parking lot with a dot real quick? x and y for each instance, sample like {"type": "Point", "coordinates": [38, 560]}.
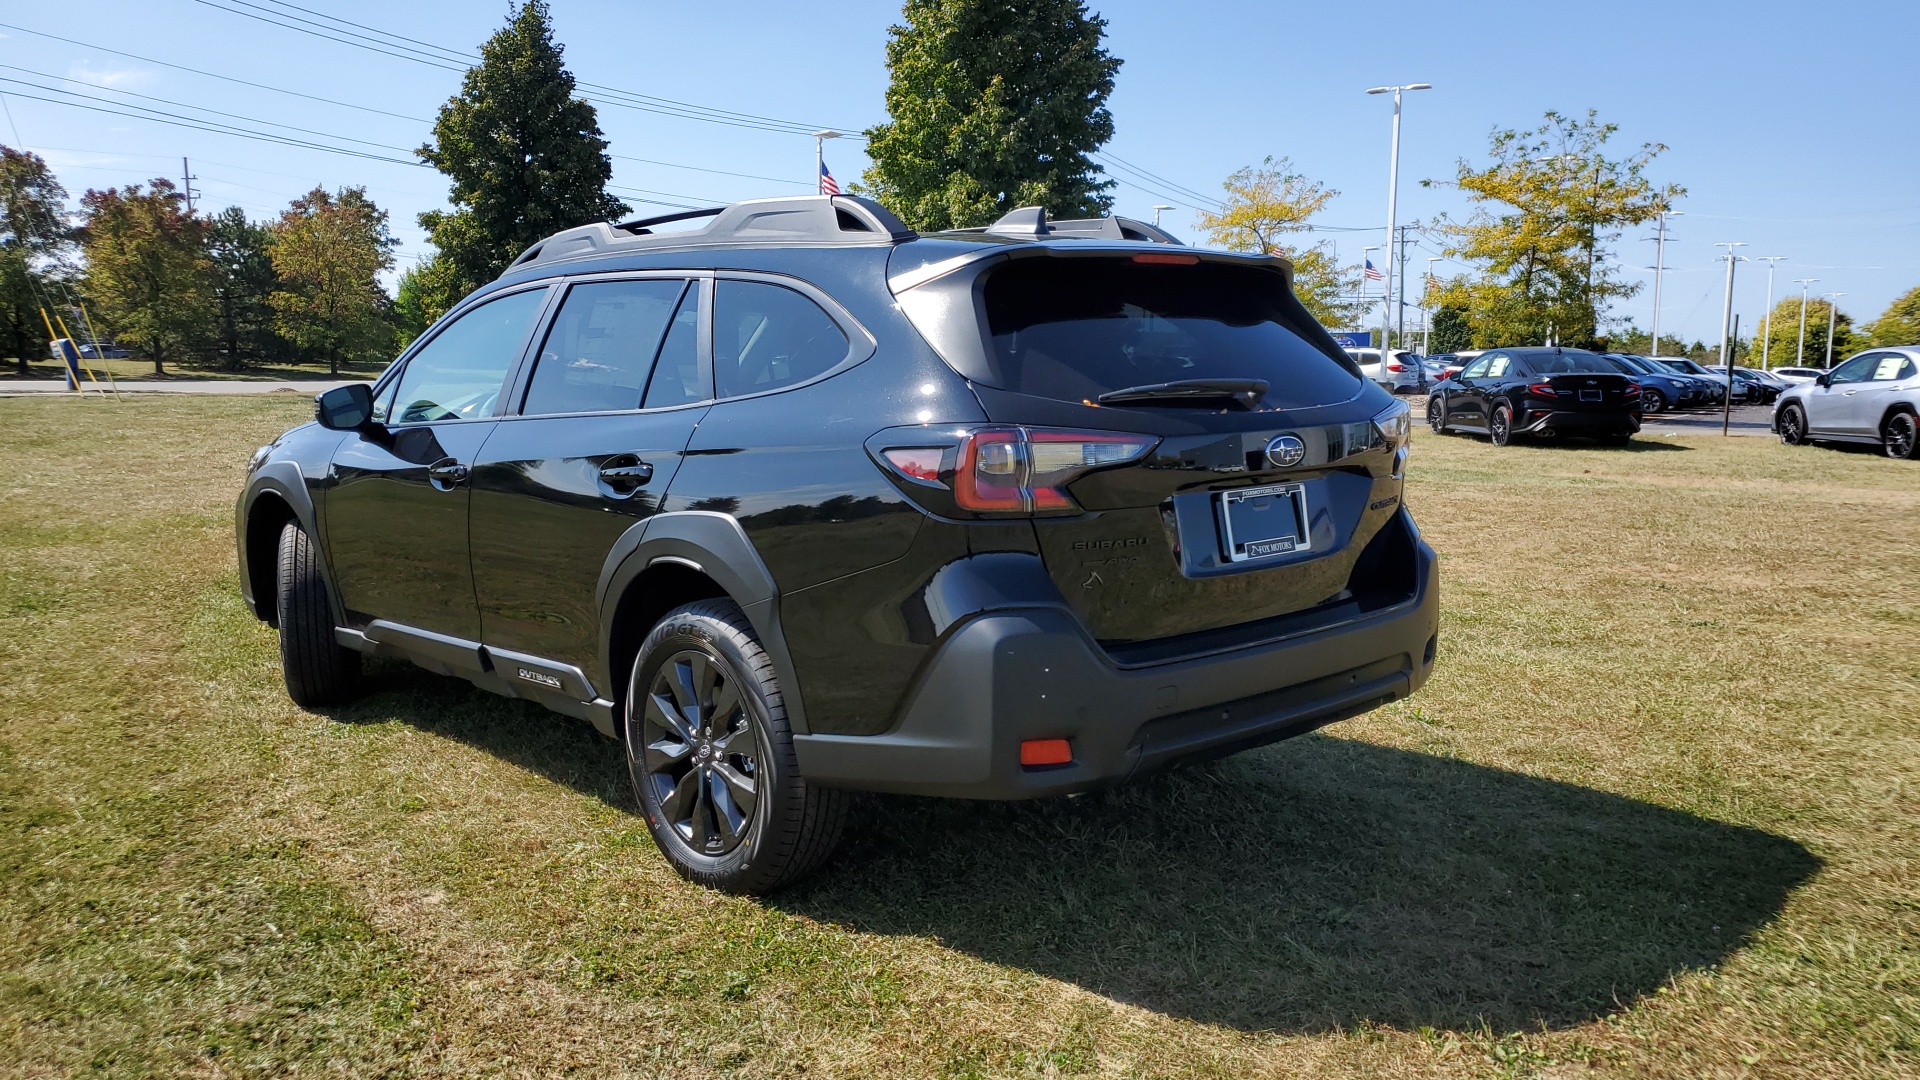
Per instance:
{"type": "Point", "coordinates": [1745, 420]}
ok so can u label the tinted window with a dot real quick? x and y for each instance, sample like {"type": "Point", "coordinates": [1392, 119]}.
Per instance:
{"type": "Point", "coordinates": [766, 336]}
{"type": "Point", "coordinates": [1858, 369]}
{"type": "Point", "coordinates": [1498, 366]}
{"type": "Point", "coordinates": [597, 356]}
{"type": "Point", "coordinates": [1075, 328]}
{"type": "Point", "coordinates": [1569, 362]}
{"type": "Point", "coordinates": [457, 375]}
{"type": "Point", "coordinates": [1477, 369]}
{"type": "Point", "coordinates": [676, 374]}
{"type": "Point", "coordinates": [1892, 368]}
{"type": "Point", "coordinates": [1619, 365]}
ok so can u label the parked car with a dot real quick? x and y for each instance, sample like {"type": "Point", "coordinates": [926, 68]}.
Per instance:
{"type": "Point", "coordinates": [1871, 398]}
{"type": "Point", "coordinates": [1744, 389]}
{"type": "Point", "coordinates": [1541, 391]}
{"type": "Point", "coordinates": [1775, 384]}
{"type": "Point", "coordinates": [105, 350]}
{"type": "Point", "coordinates": [800, 501]}
{"type": "Point", "coordinates": [1403, 373]}
{"type": "Point", "coordinates": [1795, 376]}
{"type": "Point", "coordinates": [1451, 363]}
{"type": "Point", "coordinates": [1660, 389]}
{"type": "Point", "coordinates": [1750, 386]}
{"type": "Point", "coordinates": [1710, 393]}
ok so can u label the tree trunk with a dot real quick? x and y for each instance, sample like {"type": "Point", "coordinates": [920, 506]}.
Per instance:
{"type": "Point", "coordinates": [333, 361]}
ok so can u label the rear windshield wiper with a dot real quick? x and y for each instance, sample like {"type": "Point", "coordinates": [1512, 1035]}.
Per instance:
{"type": "Point", "coordinates": [1246, 392]}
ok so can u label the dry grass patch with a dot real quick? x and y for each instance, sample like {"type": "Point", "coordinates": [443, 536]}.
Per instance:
{"type": "Point", "coordinates": [1653, 817]}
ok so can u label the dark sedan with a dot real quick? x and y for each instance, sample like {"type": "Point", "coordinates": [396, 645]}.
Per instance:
{"type": "Point", "coordinates": [1537, 391]}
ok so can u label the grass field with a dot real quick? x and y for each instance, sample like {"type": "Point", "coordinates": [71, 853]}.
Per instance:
{"type": "Point", "coordinates": [1655, 816]}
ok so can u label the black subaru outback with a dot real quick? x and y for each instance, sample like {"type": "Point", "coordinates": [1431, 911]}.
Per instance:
{"type": "Point", "coordinates": [802, 502]}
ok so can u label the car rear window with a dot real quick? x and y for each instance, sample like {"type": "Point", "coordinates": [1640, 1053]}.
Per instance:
{"type": "Point", "coordinates": [1570, 363]}
{"type": "Point", "coordinates": [1075, 328]}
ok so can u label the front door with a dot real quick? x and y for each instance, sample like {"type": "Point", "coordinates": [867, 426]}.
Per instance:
{"type": "Point", "coordinates": [1830, 407]}
{"type": "Point", "coordinates": [611, 403]}
{"type": "Point", "coordinates": [396, 507]}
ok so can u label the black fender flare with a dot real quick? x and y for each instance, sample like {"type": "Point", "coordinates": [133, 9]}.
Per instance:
{"type": "Point", "coordinates": [715, 545]}
{"type": "Point", "coordinates": [284, 480]}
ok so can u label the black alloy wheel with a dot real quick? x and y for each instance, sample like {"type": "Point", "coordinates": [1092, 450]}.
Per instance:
{"type": "Point", "coordinates": [712, 757]}
{"type": "Point", "coordinates": [1437, 415]}
{"type": "Point", "coordinates": [1792, 425]}
{"type": "Point", "coordinates": [1652, 401]}
{"type": "Point", "coordinates": [1500, 426]}
{"type": "Point", "coordinates": [1898, 436]}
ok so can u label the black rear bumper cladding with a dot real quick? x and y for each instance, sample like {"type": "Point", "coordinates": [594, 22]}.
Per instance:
{"type": "Point", "coordinates": [1033, 673]}
{"type": "Point", "coordinates": [1584, 423]}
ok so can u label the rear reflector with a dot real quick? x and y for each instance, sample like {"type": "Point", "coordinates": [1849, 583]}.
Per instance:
{"type": "Point", "coordinates": [1046, 752]}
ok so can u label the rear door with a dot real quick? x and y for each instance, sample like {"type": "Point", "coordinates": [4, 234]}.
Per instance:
{"type": "Point", "coordinates": [616, 388]}
{"type": "Point", "coordinates": [1866, 403]}
{"type": "Point", "coordinates": [1830, 408]}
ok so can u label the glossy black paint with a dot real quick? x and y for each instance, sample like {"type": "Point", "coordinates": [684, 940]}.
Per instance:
{"type": "Point", "coordinates": [1502, 377]}
{"type": "Point", "coordinates": [545, 531]}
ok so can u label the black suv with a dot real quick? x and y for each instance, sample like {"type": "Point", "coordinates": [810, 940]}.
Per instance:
{"type": "Point", "coordinates": [802, 502]}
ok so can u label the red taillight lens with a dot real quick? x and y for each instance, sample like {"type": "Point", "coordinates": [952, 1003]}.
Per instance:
{"type": "Point", "coordinates": [1541, 389]}
{"type": "Point", "coordinates": [1633, 389]}
{"type": "Point", "coordinates": [1014, 470]}
{"type": "Point", "coordinates": [1394, 367]}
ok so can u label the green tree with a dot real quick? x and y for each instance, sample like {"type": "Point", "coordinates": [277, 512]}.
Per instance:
{"type": "Point", "coordinates": [148, 270]}
{"type": "Point", "coordinates": [526, 156]}
{"type": "Point", "coordinates": [1547, 210]}
{"type": "Point", "coordinates": [329, 251]}
{"type": "Point", "coordinates": [1900, 323]}
{"type": "Point", "coordinates": [994, 105]}
{"type": "Point", "coordinates": [1266, 203]}
{"type": "Point", "coordinates": [1451, 331]}
{"type": "Point", "coordinates": [35, 242]}
{"type": "Point", "coordinates": [426, 291]}
{"type": "Point", "coordinates": [1782, 339]}
{"type": "Point", "coordinates": [243, 280]}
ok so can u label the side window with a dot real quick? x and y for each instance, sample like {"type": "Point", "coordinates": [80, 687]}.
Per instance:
{"type": "Point", "coordinates": [383, 405]}
{"type": "Point", "coordinates": [597, 356]}
{"type": "Point", "coordinates": [1498, 365]}
{"type": "Point", "coordinates": [1892, 367]}
{"type": "Point", "coordinates": [766, 336]}
{"type": "Point", "coordinates": [1477, 369]}
{"type": "Point", "coordinates": [458, 375]}
{"type": "Point", "coordinates": [676, 374]}
{"type": "Point", "coordinates": [1858, 369]}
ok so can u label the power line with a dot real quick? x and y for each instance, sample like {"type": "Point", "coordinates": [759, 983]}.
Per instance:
{"type": "Point", "coordinates": [1161, 180]}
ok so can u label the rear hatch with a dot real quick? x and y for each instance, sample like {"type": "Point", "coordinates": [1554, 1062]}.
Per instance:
{"type": "Point", "coordinates": [1267, 462]}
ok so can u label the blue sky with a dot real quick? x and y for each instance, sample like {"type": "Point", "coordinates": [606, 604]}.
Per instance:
{"type": "Point", "coordinates": [1790, 125]}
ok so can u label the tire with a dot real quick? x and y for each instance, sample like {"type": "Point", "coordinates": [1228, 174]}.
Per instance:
{"type": "Point", "coordinates": [1900, 436]}
{"type": "Point", "coordinates": [1652, 401]}
{"type": "Point", "coordinates": [1437, 415]}
{"type": "Point", "coordinates": [1792, 425]}
{"type": "Point", "coordinates": [317, 669]}
{"type": "Point", "coordinates": [704, 658]}
{"type": "Point", "coordinates": [1500, 426]}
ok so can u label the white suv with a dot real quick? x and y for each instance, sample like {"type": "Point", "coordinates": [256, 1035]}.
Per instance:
{"type": "Point", "coordinates": [1404, 372]}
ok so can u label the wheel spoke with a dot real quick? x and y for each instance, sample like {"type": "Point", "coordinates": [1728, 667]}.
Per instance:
{"type": "Point", "coordinates": [728, 814]}
{"type": "Point", "coordinates": [725, 703]}
{"type": "Point", "coordinates": [682, 804]}
{"type": "Point", "coordinates": [740, 788]}
{"type": "Point", "coordinates": [701, 822]}
{"type": "Point", "coordinates": [663, 712]}
{"type": "Point", "coordinates": [664, 752]}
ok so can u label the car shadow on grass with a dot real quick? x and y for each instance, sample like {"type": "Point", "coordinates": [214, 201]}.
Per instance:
{"type": "Point", "coordinates": [1319, 884]}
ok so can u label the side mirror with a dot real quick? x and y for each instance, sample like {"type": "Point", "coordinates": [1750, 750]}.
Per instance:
{"type": "Point", "coordinates": [1823, 380]}
{"type": "Point", "coordinates": [344, 408]}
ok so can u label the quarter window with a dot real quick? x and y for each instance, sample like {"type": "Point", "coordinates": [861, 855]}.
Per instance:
{"type": "Point", "coordinates": [1892, 368]}
{"type": "Point", "coordinates": [676, 374]}
{"type": "Point", "coordinates": [458, 375]}
{"type": "Point", "coordinates": [768, 336]}
{"type": "Point", "coordinates": [601, 348]}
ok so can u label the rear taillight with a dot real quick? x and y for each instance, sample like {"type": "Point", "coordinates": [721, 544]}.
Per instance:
{"type": "Point", "coordinates": [1541, 389]}
{"type": "Point", "coordinates": [1633, 390]}
{"type": "Point", "coordinates": [1394, 427]}
{"type": "Point", "coordinates": [1391, 366]}
{"type": "Point", "coordinates": [997, 471]}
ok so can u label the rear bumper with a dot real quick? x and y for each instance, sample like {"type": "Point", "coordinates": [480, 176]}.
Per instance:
{"type": "Point", "coordinates": [1033, 673]}
{"type": "Point", "coordinates": [1563, 422]}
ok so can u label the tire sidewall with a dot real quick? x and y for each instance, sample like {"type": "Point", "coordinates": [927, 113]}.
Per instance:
{"type": "Point", "coordinates": [1793, 425]}
{"type": "Point", "coordinates": [1437, 415]}
{"type": "Point", "coordinates": [1498, 432]}
{"type": "Point", "coordinates": [681, 631]}
{"type": "Point", "coordinates": [1913, 436]}
{"type": "Point", "coordinates": [1653, 401]}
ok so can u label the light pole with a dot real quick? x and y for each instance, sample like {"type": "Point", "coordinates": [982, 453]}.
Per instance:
{"type": "Point", "coordinates": [1426, 309]}
{"type": "Point", "coordinates": [1800, 354]}
{"type": "Point", "coordinates": [1726, 331]}
{"type": "Point", "coordinates": [1366, 257]}
{"type": "Point", "coordinates": [1393, 193]}
{"type": "Point", "coordinates": [1831, 309]}
{"type": "Point", "coordinates": [1659, 269]}
{"type": "Point", "coordinates": [820, 159]}
{"type": "Point", "coordinates": [1766, 330]}
{"type": "Point", "coordinates": [1156, 213]}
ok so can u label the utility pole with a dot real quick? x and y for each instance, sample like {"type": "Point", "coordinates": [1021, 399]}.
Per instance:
{"type": "Point", "coordinates": [1766, 331]}
{"type": "Point", "coordinates": [1393, 195]}
{"type": "Point", "coordinates": [1726, 406]}
{"type": "Point", "coordinates": [186, 184]}
{"type": "Point", "coordinates": [1832, 308]}
{"type": "Point", "coordinates": [1726, 328]}
{"type": "Point", "coordinates": [1800, 354]}
{"type": "Point", "coordinates": [1659, 269]}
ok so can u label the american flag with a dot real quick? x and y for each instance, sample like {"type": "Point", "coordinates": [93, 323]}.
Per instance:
{"type": "Point", "coordinates": [1372, 274]}
{"type": "Point", "coordinates": [828, 186]}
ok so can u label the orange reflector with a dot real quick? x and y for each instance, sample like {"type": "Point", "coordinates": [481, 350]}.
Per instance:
{"type": "Point", "coordinates": [1167, 260]}
{"type": "Point", "coordinates": [1045, 752]}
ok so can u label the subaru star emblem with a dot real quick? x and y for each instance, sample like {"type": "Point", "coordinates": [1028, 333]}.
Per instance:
{"type": "Point", "coordinates": [1286, 451]}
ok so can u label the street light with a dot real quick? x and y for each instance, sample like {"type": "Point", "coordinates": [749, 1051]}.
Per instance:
{"type": "Point", "coordinates": [1726, 332]}
{"type": "Point", "coordinates": [1393, 193]}
{"type": "Point", "coordinates": [1831, 309]}
{"type": "Point", "coordinates": [1800, 354]}
{"type": "Point", "coordinates": [1659, 268]}
{"type": "Point", "coordinates": [1426, 309]}
{"type": "Point", "coordinates": [1766, 334]}
{"type": "Point", "coordinates": [1156, 213]}
{"type": "Point", "coordinates": [820, 158]}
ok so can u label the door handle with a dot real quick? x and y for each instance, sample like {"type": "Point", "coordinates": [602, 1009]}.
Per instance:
{"type": "Point", "coordinates": [625, 474]}
{"type": "Point", "coordinates": [446, 474]}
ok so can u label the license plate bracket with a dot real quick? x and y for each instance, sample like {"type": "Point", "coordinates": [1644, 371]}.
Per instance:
{"type": "Point", "coordinates": [1263, 522]}
{"type": "Point", "coordinates": [1590, 395]}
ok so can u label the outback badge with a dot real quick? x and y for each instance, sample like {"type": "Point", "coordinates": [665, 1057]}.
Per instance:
{"type": "Point", "coordinates": [1286, 451]}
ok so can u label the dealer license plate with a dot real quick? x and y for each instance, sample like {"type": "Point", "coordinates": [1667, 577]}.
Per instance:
{"type": "Point", "coordinates": [1261, 522]}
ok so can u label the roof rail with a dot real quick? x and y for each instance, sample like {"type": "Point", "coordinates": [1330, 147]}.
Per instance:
{"type": "Point", "coordinates": [795, 220]}
{"type": "Point", "coordinates": [1032, 221]}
